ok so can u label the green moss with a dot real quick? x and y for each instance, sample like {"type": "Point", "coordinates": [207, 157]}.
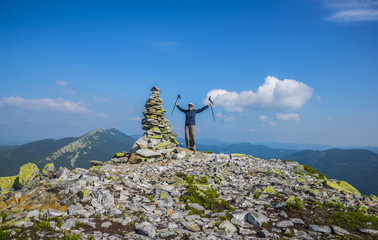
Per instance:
{"type": "Point", "coordinates": [209, 199]}
{"type": "Point", "coordinates": [4, 234]}
{"type": "Point", "coordinates": [237, 154]}
{"type": "Point", "coordinates": [291, 234]}
{"type": "Point", "coordinates": [226, 217]}
{"type": "Point", "coordinates": [94, 168]}
{"type": "Point", "coordinates": [3, 216]}
{"type": "Point", "coordinates": [27, 173]}
{"type": "Point", "coordinates": [349, 188]}
{"type": "Point", "coordinates": [57, 220]}
{"type": "Point", "coordinates": [72, 237]}
{"type": "Point", "coordinates": [6, 184]}
{"type": "Point", "coordinates": [193, 211]}
{"type": "Point", "coordinates": [217, 180]}
{"type": "Point", "coordinates": [210, 152]}
{"type": "Point", "coordinates": [295, 204]}
{"type": "Point", "coordinates": [264, 224]}
{"type": "Point", "coordinates": [270, 190]}
{"type": "Point", "coordinates": [119, 155]}
{"type": "Point", "coordinates": [314, 173]}
{"type": "Point", "coordinates": [44, 226]}
{"type": "Point", "coordinates": [350, 220]}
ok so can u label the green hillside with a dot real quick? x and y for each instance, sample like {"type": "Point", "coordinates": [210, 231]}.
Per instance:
{"type": "Point", "coordinates": [98, 145]}
{"type": "Point", "coordinates": [11, 160]}
{"type": "Point", "coordinates": [72, 152]}
{"type": "Point", "coordinates": [357, 166]}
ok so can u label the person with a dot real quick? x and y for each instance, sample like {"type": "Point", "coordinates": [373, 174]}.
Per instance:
{"type": "Point", "coordinates": [190, 124]}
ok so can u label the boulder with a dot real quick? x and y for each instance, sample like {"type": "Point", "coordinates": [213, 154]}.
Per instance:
{"type": "Point", "coordinates": [27, 173]}
{"type": "Point", "coordinates": [256, 219]}
{"type": "Point", "coordinates": [7, 183]}
{"type": "Point", "coordinates": [48, 170]}
{"type": "Point", "coordinates": [146, 229]}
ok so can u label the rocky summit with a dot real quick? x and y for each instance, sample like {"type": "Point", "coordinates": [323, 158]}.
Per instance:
{"type": "Point", "coordinates": [161, 191]}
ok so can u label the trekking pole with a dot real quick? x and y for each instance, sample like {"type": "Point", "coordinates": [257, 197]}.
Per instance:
{"type": "Point", "coordinates": [178, 97]}
{"type": "Point", "coordinates": [212, 111]}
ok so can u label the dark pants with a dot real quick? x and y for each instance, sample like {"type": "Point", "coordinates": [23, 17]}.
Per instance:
{"type": "Point", "coordinates": [190, 136]}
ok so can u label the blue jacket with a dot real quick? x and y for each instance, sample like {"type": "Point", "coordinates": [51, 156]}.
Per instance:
{"type": "Point", "coordinates": [190, 116]}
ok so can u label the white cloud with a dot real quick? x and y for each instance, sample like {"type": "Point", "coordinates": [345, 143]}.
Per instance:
{"type": "Point", "coordinates": [252, 130]}
{"type": "Point", "coordinates": [135, 119]}
{"type": "Point", "coordinates": [273, 94]}
{"type": "Point", "coordinates": [263, 118]}
{"type": "Point", "coordinates": [272, 123]}
{"type": "Point", "coordinates": [61, 83]}
{"type": "Point", "coordinates": [288, 117]}
{"type": "Point", "coordinates": [225, 117]}
{"type": "Point", "coordinates": [41, 104]}
{"type": "Point", "coordinates": [352, 10]}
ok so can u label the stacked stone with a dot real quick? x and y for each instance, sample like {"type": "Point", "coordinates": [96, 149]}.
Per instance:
{"type": "Point", "coordinates": [158, 138]}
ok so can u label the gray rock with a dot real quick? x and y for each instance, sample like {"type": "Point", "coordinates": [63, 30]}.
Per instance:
{"type": "Point", "coordinates": [146, 229]}
{"type": "Point", "coordinates": [321, 229]}
{"type": "Point", "coordinates": [147, 153]}
{"type": "Point", "coordinates": [196, 206]}
{"type": "Point", "coordinates": [228, 226]}
{"type": "Point", "coordinates": [256, 219]}
{"type": "Point", "coordinates": [96, 204]}
{"type": "Point", "coordinates": [170, 225]}
{"type": "Point", "coordinates": [240, 215]}
{"type": "Point", "coordinates": [106, 224]}
{"type": "Point", "coordinates": [284, 224]}
{"type": "Point", "coordinates": [283, 214]}
{"type": "Point", "coordinates": [339, 231]}
{"type": "Point", "coordinates": [55, 213]}
{"type": "Point", "coordinates": [34, 213]}
{"type": "Point", "coordinates": [73, 209]}
{"type": "Point", "coordinates": [67, 225]}
{"type": "Point", "coordinates": [96, 163]}
{"type": "Point", "coordinates": [114, 212]}
{"type": "Point", "coordinates": [263, 233]}
{"type": "Point", "coordinates": [193, 227]}
{"type": "Point", "coordinates": [372, 232]}
{"type": "Point", "coordinates": [297, 221]}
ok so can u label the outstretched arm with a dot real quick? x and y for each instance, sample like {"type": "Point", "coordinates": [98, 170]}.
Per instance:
{"type": "Point", "coordinates": [179, 108]}
{"type": "Point", "coordinates": [202, 109]}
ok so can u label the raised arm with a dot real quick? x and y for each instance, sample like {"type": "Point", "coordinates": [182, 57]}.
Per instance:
{"type": "Point", "coordinates": [179, 108]}
{"type": "Point", "coordinates": [202, 109]}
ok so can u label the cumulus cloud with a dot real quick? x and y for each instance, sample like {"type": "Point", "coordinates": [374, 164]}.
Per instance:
{"type": "Point", "coordinates": [273, 94]}
{"type": "Point", "coordinates": [352, 10]}
{"type": "Point", "coordinates": [225, 117]}
{"type": "Point", "coordinates": [263, 118]}
{"type": "Point", "coordinates": [288, 117]}
{"type": "Point", "coordinates": [41, 104]}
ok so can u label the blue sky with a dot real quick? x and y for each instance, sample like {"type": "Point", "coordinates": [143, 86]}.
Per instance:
{"type": "Point", "coordinates": [303, 71]}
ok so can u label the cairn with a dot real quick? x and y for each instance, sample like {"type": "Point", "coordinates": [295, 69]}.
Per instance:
{"type": "Point", "coordinates": [158, 139]}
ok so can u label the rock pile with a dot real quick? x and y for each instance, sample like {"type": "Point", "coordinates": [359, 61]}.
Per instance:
{"type": "Point", "coordinates": [158, 138]}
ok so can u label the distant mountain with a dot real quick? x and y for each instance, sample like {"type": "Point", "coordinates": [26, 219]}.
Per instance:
{"type": "Point", "coordinates": [7, 148]}
{"type": "Point", "coordinates": [359, 167]}
{"type": "Point", "coordinates": [72, 152]}
{"type": "Point", "coordinates": [373, 149]}
{"type": "Point", "coordinates": [296, 146]}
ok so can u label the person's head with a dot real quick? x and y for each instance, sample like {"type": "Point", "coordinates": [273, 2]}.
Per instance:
{"type": "Point", "coordinates": [190, 106]}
